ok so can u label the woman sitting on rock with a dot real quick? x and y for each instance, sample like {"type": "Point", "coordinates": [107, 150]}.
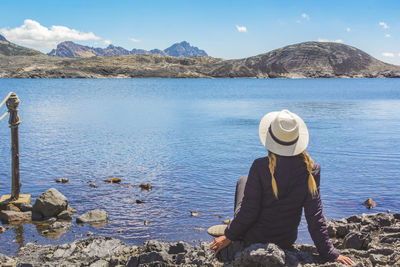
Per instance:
{"type": "Point", "coordinates": [269, 201]}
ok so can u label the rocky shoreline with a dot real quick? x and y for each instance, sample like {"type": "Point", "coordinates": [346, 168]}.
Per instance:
{"type": "Point", "coordinates": [370, 240]}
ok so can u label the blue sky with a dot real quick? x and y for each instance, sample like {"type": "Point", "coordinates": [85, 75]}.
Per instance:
{"type": "Point", "coordinates": [226, 29]}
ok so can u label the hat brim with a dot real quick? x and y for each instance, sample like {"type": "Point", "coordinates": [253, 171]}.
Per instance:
{"type": "Point", "coordinates": [279, 149]}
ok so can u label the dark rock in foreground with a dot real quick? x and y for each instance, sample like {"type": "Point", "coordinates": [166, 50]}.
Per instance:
{"type": "Point", "coordinates": [369, 240]}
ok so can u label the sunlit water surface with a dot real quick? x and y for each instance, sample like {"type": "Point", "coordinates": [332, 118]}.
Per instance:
{"type": "Point", "coordinates": [192, 139]}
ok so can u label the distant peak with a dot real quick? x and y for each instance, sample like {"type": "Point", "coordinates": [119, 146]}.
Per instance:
{"type": "Point", "coordinates": [184, 49]}
{"type": "Point", "coordinates": [184, 43]}
{"type": "Point", "coordinates": [66, 43]}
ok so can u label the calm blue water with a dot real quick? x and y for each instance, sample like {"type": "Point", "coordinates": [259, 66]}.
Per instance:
{"type": "Point", "coordinates": [192, 139]}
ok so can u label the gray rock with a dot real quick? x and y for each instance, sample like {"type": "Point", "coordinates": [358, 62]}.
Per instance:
{"type": "Point", "coordinates": [355, 240]}
{"type": "Point", "coordinates": [71, 209]}
{"type": "Point", "coordinates": [331, 229]}
{"type": "Point", "coordinates": [99, 263]}
{"type": "Point", "coordinates": [36, 216]}
{"type": "Point", "coordinates": [261, 255]}
{"type": "Point", "coordinates": [354, 219]}
{"type": "Point", "coordinates": [343, 228]}
{"type": "Point", "coordinates": [60, 225]}
{"type": "Point", "coordinates": [9, 216]}
{"type": "Point", "coordinates": [377, 219]}
{"type": "Point", "coordinates": [65, 215]}
{"type": "Point", "coordinates": [84, 252]}
{"type": "Point", "coordinates": [50, 203]}
{"type": "Point", "coordinates": [93, 216]}
{"type": "Point", "coordinates": [25, 207]}
{"type": "Point", "coordinates": [6, 261]}
{"type": "Point", "coordinates": [61, 180]}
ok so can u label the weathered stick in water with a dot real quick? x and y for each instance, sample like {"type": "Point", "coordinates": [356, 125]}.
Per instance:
{"type": "Point", "coordinates": [14, 121]}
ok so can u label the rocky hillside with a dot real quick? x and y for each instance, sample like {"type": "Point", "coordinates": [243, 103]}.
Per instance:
{"type": "Point", "coordinates": [9, 49]}
{"type": "Point", "coordinates": [303, 60]}
{"type": "Point", "coordinates": [71, 49]}
{"type": "Point", "coordinates": [310, 60]}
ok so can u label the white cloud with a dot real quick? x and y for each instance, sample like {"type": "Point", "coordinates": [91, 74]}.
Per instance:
{"type": "Point", "coordinates": [383, 24]}
{"type": "Point", "coordinates": [134, 40]}
{"type": "Point", "coordinates": [399, 55]}
{"type": "Point", "coordinates": [32, 34]}
{"type": "Point", "coordinates": [107, 42]}
{"type": "Point", "coordinates": [387, 35]}
{"type": "Point", "coordinates": [348, 29]}
{"type": "Point", "coordinates": [241, 28]}
{"type": "Point", "coordinates": [386, 54]}
{"type": "Point", "coordinates": [305, 16]}
{"type": "Point", "coordinates": [323, 40]}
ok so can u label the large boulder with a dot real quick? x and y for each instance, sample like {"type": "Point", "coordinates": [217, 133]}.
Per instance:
{"type": "Point", "coordinates": [93, 216]}
{"type": "Point", "coordinates": [50, 203]}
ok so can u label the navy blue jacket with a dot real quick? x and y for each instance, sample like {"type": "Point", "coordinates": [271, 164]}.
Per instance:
{"type": "Point", "coordinates": [262, 218]}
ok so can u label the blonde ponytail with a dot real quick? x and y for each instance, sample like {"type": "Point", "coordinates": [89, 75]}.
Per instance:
{"type": "Point", "coordinates": [272, 165]}
{"type": "Point", "coordinates": [312, 186]}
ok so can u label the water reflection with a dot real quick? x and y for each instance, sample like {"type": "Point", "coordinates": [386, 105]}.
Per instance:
{"type": "Point", "coordinates": [19, 234]}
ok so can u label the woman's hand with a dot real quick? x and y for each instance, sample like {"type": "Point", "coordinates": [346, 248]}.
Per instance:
{"type": "Point", "coordinates": [219, 243]}
{"type": "Point", "coordinates": [344, 260]}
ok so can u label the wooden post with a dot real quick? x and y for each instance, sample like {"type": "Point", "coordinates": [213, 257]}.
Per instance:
{"type": "Point", "coordinates": [14, 121]}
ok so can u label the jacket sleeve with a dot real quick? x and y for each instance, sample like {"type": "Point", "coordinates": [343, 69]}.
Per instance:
{"type": "Point", "coordinates": [316, 222]}
{"type": "Point", "coordinates": [249, 209]}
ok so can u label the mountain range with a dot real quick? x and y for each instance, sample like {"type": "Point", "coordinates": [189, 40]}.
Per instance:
{"type": "Point", "coordinates": [71, 49]}
{"type": "Point", "coordinates": [302, 60]}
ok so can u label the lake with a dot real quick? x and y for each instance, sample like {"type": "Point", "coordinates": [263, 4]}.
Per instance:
{"type": "Point", "coordinates": [192, 139]}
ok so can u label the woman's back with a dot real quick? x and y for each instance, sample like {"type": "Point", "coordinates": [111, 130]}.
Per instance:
{"type": "Point", "coordinates": [269, 202]}
{"type": "Point", "coordinates": [276, 220]}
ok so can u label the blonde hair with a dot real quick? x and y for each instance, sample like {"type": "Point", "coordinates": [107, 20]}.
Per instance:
{"type": "Point", "coordinates": [312, 186]}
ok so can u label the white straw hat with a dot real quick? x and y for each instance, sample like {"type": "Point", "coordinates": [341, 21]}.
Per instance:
{"type": "Point", "coordinates": [283, 133]}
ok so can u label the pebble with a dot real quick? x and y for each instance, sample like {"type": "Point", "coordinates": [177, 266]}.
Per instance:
{"type": "Point", "coordinates": [61, 180]}
{"type": "Point", "coordinates": [194, 214]}
{"type": "Point", "coordinates": [138, 201]}
{"type": "Point", "coordinates": [2, 229]}
{"type": "Point", "coordinates": [113, 180]}
{"type": "Point", "coordinates": [146, 222]}
{"type": "Point", "coordinates": [89, 233]}
{"type": "Point", "coordinates": [93, 185]}
{"type": "Point", "coordinates": [199, 229]}
{"type": "Point", "coordinates": [226, 221]}
{"type": "Point", "coordinates": [146, 186]}
{"type": "Point", "coordinates": [369, 203]}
